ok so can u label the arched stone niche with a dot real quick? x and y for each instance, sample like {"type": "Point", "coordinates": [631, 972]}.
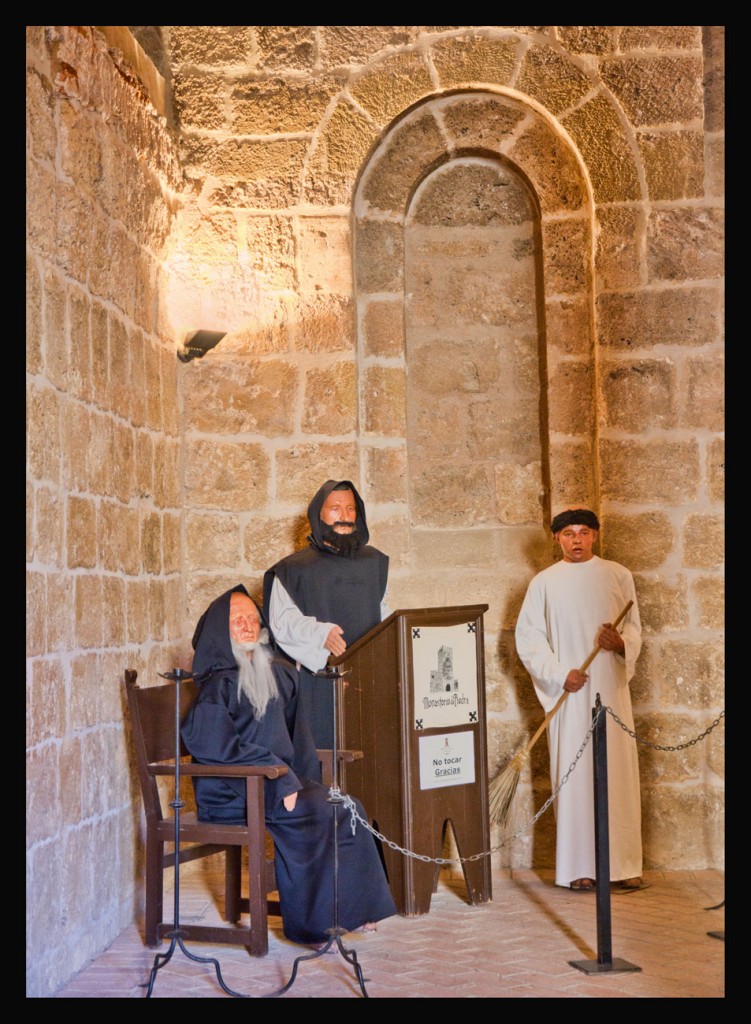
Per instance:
{"type": "Point", "coordinates": [471, 319]}
{"type": "Point", "coordinates": [473, 256]}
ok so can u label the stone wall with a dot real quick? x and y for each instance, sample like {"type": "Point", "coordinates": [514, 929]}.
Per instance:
{"type": "Point", "coordinates": [478, 271]}
{"type": "Point", "coordinates": [103, 496]}
{"type": "Point", "coordinates": [312, 152]}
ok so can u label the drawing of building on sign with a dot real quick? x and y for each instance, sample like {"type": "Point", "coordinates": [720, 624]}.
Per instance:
{"type": "Point", "coordinates": [442, 679]}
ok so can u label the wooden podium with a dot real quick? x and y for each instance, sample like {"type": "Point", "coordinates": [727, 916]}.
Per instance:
{"type": "Point", "coordinates": [414, 702]}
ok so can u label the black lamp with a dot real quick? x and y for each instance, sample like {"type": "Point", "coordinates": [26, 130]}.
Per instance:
{"type": "Point", "coordinates": [198, 343]}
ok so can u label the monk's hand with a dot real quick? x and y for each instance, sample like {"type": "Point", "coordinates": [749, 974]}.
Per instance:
{"type": "Point", "coordinates": [290, 801]}
{"type": "Point", "coordinates": [335, 641]}
{"type": "Point", "coordinates": [575, 680]}
{"type": "Point", "coordinates": [610, 639]}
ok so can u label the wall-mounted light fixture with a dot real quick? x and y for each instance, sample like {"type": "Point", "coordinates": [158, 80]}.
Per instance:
{"type": "Point", "coordinates": [198, 343]}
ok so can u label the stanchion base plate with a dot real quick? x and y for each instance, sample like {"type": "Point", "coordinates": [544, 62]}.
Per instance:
{"type": "Point", "coordinates": [616, 966]}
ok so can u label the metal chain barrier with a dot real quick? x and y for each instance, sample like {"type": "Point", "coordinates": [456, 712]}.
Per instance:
{"type": "Point", "coordinates": [356, 817]}
{"type": "Point", "coordinates": [656, 746]}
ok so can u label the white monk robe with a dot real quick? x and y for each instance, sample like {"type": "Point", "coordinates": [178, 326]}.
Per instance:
{"type": "Point", "coordinates": [562, 613]}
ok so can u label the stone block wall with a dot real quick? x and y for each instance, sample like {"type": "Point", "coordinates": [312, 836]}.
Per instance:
{"type": "Point", "coordinates": [104, 504]}
{"type": "Point", "coordinates": [358, 148]}
{"type": "Point", "coordinates": [496, 252]}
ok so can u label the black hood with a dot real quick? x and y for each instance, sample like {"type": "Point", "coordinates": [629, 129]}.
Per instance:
{"type": "Point", "coordinates": [211, 641]}
{"type": "Point", "coordinates": [314, 514]}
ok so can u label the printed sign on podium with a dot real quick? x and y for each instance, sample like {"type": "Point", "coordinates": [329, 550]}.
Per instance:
{"type": "Point", "coordinates": [447, 760]}
{"type": "Point", "coordinates": [444, 670]}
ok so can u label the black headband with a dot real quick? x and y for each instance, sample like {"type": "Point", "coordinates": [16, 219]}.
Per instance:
{"type": "Point", "coordinates": [574, 517]}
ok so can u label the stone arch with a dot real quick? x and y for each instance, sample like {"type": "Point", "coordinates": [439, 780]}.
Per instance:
{"type": "Point", "coordinates": [503, 60]}
{"type": "Point", "coordinates": [485, 128]}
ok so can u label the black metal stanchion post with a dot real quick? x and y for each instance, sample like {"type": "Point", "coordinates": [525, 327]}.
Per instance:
{"type": "Point", "coordinates": [335, 799]}
{"type": "Point", "coordinates": [175, 935]}
{"type": "Point", "coordinates": [717, 935]}
{"type": "Point", "coordinates": [605, 962]}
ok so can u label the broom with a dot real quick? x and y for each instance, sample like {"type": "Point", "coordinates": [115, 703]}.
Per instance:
{"type": "Point", "coordinates": [503, 787]}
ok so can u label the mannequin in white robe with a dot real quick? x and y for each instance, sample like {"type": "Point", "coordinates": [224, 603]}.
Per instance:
{"type": "Point", "coordinates": [560, 622]}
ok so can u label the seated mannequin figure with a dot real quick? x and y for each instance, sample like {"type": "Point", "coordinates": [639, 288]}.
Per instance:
{"type": "Point", "coordinates": [247, 713]}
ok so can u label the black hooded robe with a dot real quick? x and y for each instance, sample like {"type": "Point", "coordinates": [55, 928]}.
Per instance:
{"type": "Point", "coordinates": [222, 729]}
{"type": "Point", "coordinates": [344, 589]}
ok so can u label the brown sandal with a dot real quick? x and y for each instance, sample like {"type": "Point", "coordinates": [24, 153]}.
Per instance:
{"type": "Point", "coordinates": [630, 883]}
{"type": "Point", "coordinates": [583, 885]}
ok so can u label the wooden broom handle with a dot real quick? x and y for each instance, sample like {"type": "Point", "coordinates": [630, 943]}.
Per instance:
{"type": "Point", "coordinates": [591, 657]}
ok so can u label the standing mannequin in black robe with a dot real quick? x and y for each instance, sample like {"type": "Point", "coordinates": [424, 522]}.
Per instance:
{"type": "Point", "coordinates": [322, 599]}
{"type": "Point", "coordinates": [226, 727]}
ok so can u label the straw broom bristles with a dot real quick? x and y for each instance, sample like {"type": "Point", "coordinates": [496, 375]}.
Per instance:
{"type": "Point", "coordinates": [503, 787]}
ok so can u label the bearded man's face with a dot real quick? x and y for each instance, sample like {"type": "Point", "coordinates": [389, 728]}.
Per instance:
{"type": "Point", "coordinates": [255, 677]}
{"type": "Point", "coordinates": [338, 516]}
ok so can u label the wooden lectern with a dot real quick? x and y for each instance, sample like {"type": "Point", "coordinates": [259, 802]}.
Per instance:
{"type": "Point", "coordinates": [414, 702]}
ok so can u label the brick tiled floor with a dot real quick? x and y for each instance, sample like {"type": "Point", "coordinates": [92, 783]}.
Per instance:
{"type": "Point", "coordinates": [520, 945]}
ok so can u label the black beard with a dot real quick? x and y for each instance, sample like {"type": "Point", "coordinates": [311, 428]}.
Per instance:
{"type": "Point", "coordinates": [342, 543]}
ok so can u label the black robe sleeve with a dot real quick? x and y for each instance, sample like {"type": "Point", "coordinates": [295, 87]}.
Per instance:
{"type": "Point", "coordinates": [213, 735]}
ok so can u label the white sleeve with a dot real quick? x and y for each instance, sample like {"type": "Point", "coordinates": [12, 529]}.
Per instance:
{"type": "Point", "coordinates": [300, 636]}
{"type": "Point", "coordinates": [534, 649]}
{"type": "Point", "coordinates": [631, 631]}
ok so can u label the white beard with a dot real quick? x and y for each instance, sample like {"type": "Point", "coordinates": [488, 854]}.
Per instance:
{"type": "Point", "coordinates": [255, 677]}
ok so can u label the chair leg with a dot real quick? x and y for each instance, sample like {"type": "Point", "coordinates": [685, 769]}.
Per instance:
{"type": "Point", "coordinates": [154, 890]}
{"type": "Point", "coordinates": [259, 924]}
{"type": "Point", "coordinates": [232, 876]}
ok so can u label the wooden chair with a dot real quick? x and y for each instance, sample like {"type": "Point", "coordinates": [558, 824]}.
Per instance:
{"type": "Point", "coordinates": [152, 713]}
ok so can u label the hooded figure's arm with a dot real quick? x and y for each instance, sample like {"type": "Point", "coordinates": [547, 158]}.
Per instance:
{"type": "Point", "coordinates": [211, 737]}
{"type": "Point", "coordinates": [301, 637]}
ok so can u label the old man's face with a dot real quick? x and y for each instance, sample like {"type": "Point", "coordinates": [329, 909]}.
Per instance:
{"type": "Point", "coordinates": [244, 621]}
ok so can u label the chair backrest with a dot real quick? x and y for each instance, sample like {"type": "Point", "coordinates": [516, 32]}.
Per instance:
{"type": "Point", "coordinates": [152, 716]}
{"type": "Point", "coordinates": [155, 710]}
